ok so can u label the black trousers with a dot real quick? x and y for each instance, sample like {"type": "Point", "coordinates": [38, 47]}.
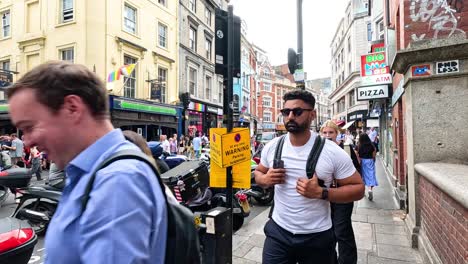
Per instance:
{"type": "Point", "coordinates": [283, 247]}
{"type": "Point", "coordinates": [343, 228]}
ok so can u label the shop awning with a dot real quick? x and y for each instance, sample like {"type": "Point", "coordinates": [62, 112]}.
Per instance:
{"type": "Point", "coordinates": [348, 124]}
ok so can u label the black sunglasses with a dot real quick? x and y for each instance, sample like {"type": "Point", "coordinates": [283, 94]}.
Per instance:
{"type": "Point", "coordinates": [296, 111]}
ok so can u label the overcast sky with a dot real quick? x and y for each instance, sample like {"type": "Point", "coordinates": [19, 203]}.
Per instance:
{"type": "Point", "coordinates": [272, 25]}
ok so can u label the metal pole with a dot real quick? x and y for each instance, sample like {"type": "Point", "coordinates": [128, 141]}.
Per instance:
{"type": "Point", "coordinates": [300, 61]}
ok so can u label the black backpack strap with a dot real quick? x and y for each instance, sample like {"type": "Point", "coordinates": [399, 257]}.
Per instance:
{"type": "Point", "coordinates": [277, 156]}
{"type": "Point", "coordinates": [314, 156]}
{"type": "Point", "coordinates": [122, 154]}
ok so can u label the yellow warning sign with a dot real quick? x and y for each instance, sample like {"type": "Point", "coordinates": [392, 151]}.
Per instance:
{"type": "Point", "coordinates": [240, 175]}
{"type": "Point", "coordinates": [236, 147]}
{"type": "Point", "coordinates": [216, 145]}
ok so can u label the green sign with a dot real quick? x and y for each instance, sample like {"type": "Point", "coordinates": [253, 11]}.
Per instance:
{"type": "Point", "coordinates": [3, 108]}
{"type": "Point", "coordinates": [143, 107]}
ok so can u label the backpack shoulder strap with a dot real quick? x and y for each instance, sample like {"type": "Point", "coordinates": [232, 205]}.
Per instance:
{"type": "Point", "coordinates": [314, 156]}
{"type": "Point", "coordinates": [279, 147]}
{"type": "Point", "coordinates": [122, 154]}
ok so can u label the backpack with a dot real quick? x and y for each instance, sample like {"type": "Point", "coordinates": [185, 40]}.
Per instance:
{"type": "Point", "coordinates": [311, 160]}
{"type": "Point", "coordinates": [182, 244]}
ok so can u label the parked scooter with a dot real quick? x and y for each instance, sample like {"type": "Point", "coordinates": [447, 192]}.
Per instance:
{"type": "Point", "coordinates": [17, 241]}
{"type": "Point", "coordinates": [261, 195]}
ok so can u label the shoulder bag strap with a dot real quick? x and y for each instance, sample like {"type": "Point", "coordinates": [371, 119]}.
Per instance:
{"type": "Point", "coordinates": [278, 153]}
{"type": "Point", "coordinates": [314, 156]}
{"type": "Point", "coordinates": [122, 154]}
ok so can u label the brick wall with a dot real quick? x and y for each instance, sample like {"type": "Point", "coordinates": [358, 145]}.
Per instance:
{"type": "Point", "coordinates": [433, 19]}
{"type": "Point", "coordinates": [445, 223]}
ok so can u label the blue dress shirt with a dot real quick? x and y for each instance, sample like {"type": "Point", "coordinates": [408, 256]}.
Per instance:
{"type": "Point", "coordinates": [125, 220]}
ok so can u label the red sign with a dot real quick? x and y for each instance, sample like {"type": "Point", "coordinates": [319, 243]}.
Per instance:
{"type": "Point", "coordinates": [374, 64]}
{"type": "Point", "coordinates": [379, 47]}
{"type": "Point", "coordinates": [421, 70]}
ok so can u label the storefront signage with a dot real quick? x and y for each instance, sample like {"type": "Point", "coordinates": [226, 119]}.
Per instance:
{"type": "Point", "coordinates": [268, 126]}
{"type": "Point", "coordinates": [3, 108]}
{"type": "Point", "coordinates": [379, 47]}
{"type": "Point", "coordinates": [197, 107]}
{"type": "Point", "coordinates": [212, 109]}
{"type": "Point", "coordinates": [372, 92]}
{"type": "Point", "coordinates": [142, 107]}
{"type": "Point", "coordinates": [374, 64]}
{"type": "Point", "coordinates": [356, 115]}
{"type": "Point", "coordinates": [398, 93]}
{"type": "Point", "coordinates": [6, 79]}
{"type": "Point", "coordinates": [447, 67]}
{"type": "Point", "coordinates": [421, 70]}
{"type": "Point", "coordinates": [376, 79]}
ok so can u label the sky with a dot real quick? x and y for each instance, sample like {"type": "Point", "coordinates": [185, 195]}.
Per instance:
{"type": "Point", "coordinates": [272, 25]}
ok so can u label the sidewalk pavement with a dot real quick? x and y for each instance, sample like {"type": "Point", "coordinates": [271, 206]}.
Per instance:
{"type": "Point", "coordinates": [381, 235]}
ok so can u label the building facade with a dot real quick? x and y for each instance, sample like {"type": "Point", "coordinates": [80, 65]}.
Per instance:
{"type": "Point", "coordinates": [349, 42]}
{"type": "Point", "coordinates": [104, 36]}
{"type": "Point", "coordinates": [266, 94]}
{"type": "Point", "coordinates": [321, 89]}
{"type": "Point", "coordinates": [197, 71]}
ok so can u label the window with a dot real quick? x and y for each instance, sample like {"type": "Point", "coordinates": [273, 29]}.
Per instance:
{"type": "Point", "coordinates": [5, 65]}
{"type": "Point", "coordinates": [369, 32]}
{"type": "Point", "coordinates": [208, 16]}
{"type": "Point", "coordinates": [380, 29]}
{"type": "Point", "coordinates": [267, 101]}
{"type": "Point", "coordinates": [162, 82]}
{"type": "Point", "coordinates": [6, 24]}
{"type": "Point", "coordinates": [208, 88]}
{"type": "Point", "coordinates": [130, 80]}
{"type": "Point", "coordinates": [266, 116]}
{"type": "Point", "coordinates": [349, 68]}
{"type": "Point", "coordinates": [266, 73]}
{"type": "Point", "coordinates": [67, 10]}
{"type": "Point", "coordinates": [162, 2]}
{"type": "Point", "coordinates": [193, 5]}
{"type": "Point", "coordinates": [67, 54]}
{"type": "Point", "coordinates": [193, 39]}
{"type": "Point", "coordinates": [192, 81]}
{"type": "Point", "coordinates": [162, 35]}
{"type": "Point", "coordinates": [267, 87]}
{"type": "Point", "coordinates": [341, 105]}
{"type": "Point", "coordinates": [220, 92]}
{"type": "Point", "coordinates": [349, 44]}
{"type": "Point", "coordinates": [130, 16]}
{"type": "Point", "coordinates": [208, 48]}
{"type": "Point", "coordinates": [278, 104]}
{"type": "Point", "coordinates": [352, 98]}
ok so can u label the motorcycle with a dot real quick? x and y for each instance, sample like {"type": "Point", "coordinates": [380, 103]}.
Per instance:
{"type": "Point", "coordinates": [17, 241]}
{"type": "Point", "coordinates": [261, 195]}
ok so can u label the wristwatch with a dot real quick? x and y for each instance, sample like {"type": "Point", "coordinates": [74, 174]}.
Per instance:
{"type": "Point", "coordinates": [324, 193]}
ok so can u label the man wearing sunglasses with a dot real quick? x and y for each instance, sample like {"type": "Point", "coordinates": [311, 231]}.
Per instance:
{"type": "Point", "coordinates": [300, 228]}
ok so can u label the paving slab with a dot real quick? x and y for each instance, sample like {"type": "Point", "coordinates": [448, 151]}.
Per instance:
{"type": "Point", "coordinates": [378, 260]}
{"type": "Point", "coordinates": [255, 254]}
{"type": "Point", "coordinates": [238, 240]}
{"type": "Point", "coordinates": [390, 239]}
{"type": "Point", "coordinates": [242, 250]}
{"type": "Point", "coordinates": [388, 219]}
{"type": "Point", "coordinates": [256, 240]}
{"type": "Point", "coordinates": [390, 229]}
{"type": "Point", "coordinates": [243, 261]}
{"type": "Point", "coordinates": [363, 235]}
{"type": "Point", "coordinates": [359, 218]}
{"type": "Point", "coordinates": [398, 253]}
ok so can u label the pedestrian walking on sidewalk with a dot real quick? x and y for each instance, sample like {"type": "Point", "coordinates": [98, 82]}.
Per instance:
{"type": "Point", "coordinates": [125, 220]}
{"type": "Point", "coordinates": [341, 212]}
{"type": "Point", "coordinates": [35, 159]}
{"type": "Point", "coordinates": [366, 154]}
{"type": "Point", "coordinates": [300, 228]}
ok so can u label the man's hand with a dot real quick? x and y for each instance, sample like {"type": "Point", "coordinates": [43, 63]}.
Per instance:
{"type": "Point", "coordinates": [309, 187]}
{"type": "Point", "coordinates": [271, 177]}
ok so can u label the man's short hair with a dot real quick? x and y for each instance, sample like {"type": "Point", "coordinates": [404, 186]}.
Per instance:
{"type": "Point", "coordinates": [303, 95]}
{"type": "Point", "coordinates": [13, 136]}
{"type": "Point", "coordinates": [54, 80]}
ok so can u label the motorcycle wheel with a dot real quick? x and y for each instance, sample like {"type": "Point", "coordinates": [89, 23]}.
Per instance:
{"type": "Point", "coordinates": [267, 197]}
{"type": "Point", "coordinates": [40, 227]}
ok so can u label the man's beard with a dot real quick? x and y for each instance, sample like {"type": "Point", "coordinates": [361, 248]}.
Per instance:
{"type": "Point", "coordinates": [295, 128]}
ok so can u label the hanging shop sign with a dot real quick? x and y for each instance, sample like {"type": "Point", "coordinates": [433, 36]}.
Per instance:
{"type": "Point", "coordinates": [359, 114]}
{"type": "Point", "coordinates": [376, 79]}
{"type": "Point", "coordinates": [378, 47]}
{"type": "Point", "coordinates": [197, 107]}
{"type": "Point", "coordinates": [443, 67]}
{"type": "Point", "coordinates": [374, 64]}
{"type": "Point", "coordinates": [6, 79]}
{"type": "Point", "coordinates": [421, 70]}
{"type": "Point", "coordinates": [372, 92]}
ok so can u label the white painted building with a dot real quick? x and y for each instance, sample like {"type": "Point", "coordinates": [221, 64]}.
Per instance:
{"type": "Point", "coordinates": [348, 44]}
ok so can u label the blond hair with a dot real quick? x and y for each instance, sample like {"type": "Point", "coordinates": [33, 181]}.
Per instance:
{"type": "Point", "coordinates": [331, 124]}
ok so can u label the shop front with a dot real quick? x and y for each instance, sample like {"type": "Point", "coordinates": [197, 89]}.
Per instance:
{"type": "Point", "coordinates": [202, 117]}
{"type": "Point", "coordinates": [356, 120]}
{"type": "Point", "coordinates": [147, 118]}
{"type": "Point", "coordinates": [5, 123]}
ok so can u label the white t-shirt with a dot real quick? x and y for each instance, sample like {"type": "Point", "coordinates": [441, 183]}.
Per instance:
{"type": "Point", "coordinates": [292, 211]}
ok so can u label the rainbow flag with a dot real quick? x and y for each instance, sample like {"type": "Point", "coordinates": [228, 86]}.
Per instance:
{"type": "Point", "coordinates": [115, 75]}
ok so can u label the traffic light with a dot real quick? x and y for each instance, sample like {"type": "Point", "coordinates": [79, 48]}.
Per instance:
{"type": "Point", "coordinates": [185, 99]}
{"type": "Point", "coordinates": [292, 61]}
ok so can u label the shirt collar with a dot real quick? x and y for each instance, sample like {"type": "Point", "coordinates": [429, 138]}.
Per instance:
{"type": "Point", "coordinates": [86, 160]}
